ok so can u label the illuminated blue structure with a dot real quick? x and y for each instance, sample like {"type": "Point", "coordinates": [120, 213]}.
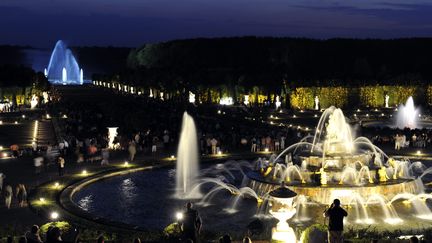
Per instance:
{"type": "Point", "coordinates": [63, 67]}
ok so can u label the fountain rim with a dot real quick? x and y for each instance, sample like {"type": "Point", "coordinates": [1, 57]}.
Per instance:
{"type": "Point", "coordinates": [252, 176]}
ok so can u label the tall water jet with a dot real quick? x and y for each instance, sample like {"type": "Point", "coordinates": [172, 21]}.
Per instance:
{"type": "Point", "coordinates": [81, 80]}
{"type": "Point", "coordinates": [187, 159]}
{"type": "Point", "coordinates": [63, 67]}
{"type": "Point", "coordinates": [407, 115]}
{"type": "Point", "coordinates": [64, 75]}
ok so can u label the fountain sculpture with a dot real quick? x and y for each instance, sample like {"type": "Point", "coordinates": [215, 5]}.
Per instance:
{"type": "Point", "coordinates": [334, 164]}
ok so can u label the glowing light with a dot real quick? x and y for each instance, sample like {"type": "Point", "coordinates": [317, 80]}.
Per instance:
{"type": "Point", "coordinates": [278, 102]}
{"type": "Point", "coordinates": [317, 115]}
{"type": "Point", "coordinates": [42, 199]}
{"type": "Point", "coordinates": [5, 155]}
{"type": "Point", "coordinates": [126, 164]}
{"type": "Point", "coordinates": [56, 184]}
{"type": "Point", "coordinates": [382, 114]}
{"type": "Point", "coordinates": [271, 116]}
{"type": "Point", "coordinates": [393, 220]}
{"type": "Point", "coordinates": [358, 110]}
{"type": "Point", "coordinates": [226, 101]}
{"type": "Point", "coordinates": [219, 112]}
{"type": "Point", "coordinates": [179, 216]}
{"type": "Point", "coordinates": [34, 101]}
{"type": "Point", "coordinates": [84, 172]}
{"type": "Point", "coordinates": [64, 116]}
{"type": "Point", "coordinates": [266, 150]}
{"type": "Point", "coordinates": [48, 116]}
{"type": "Point", "coordinates": [35, 130]}
{"type": "Point", "coordinates": [112, 133]}
{"type": "Point", "coordinates": [16, 122]}
{"type": "Point", "coordinates": [418, 152]}
{"type": "Point", "coordinates": [54, 215]}
{"type": "Point", "coordinates": [246, 100]}
{"type": "Point", "coordinates": [191, 97]}
{"type": "Point", "coordinates": [425, 216]}
{"type": "Point", "coordinates": [1, 122]}
{"type": "Point", "coordinates": [219, 152]}
{"type": "Point", "coordinates": [23, 116]}
{"type": "Point", "coordinates": [367, 114]}
{"type": "Point", "coordinates": [294, 116]}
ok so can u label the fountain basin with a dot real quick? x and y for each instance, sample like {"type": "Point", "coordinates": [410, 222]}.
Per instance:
{"type": "Point", "coordinates": [325, 194]}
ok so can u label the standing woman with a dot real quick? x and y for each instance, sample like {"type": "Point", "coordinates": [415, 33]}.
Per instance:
{"type": "Point", "coordinates": [8, 196]}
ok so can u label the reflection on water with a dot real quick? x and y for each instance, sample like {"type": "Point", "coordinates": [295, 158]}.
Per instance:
{"type": "Point", "coordinates": [145, 199]}
{"type": "Point", "coordinates": [85, 203]}
{"type": "Point", "coordinates": [128, 190]}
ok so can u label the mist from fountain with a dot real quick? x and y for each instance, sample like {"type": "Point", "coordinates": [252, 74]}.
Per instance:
{"type": "Point", "coordinates": [407, 115]}
{"type": "Point", "coordinates": [187, 159]}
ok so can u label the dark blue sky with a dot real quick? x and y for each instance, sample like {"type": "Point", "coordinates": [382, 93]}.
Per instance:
{"type": "Point", "coordinates": [134, 22]}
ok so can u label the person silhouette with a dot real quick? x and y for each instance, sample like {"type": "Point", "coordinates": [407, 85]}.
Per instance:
{"type": "Point", "coordinates": [336, 215]}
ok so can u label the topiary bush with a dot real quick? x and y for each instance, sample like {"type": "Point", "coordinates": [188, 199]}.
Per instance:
{"type": "Point", "coordinates": [314, 234]}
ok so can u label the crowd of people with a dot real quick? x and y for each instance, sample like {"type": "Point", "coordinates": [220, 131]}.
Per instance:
{"type": "Point", "coordinates": [8, 194]}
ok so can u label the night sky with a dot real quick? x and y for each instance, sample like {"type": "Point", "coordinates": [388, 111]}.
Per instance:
{"type": "Point", "coordinates": [135, 22]}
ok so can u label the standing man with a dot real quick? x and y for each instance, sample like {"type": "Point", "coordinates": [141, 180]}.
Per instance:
{"type": "Point", "coordinates": [61, 165]}
{"type": "Point", "coordinates": [191, 225]}
{"type": "Point", "coordinates": [213, 143]}
{"type": "Point", "coordinates": [336, 215]}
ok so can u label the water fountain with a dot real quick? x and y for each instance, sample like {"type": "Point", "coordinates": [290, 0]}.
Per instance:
{"type": "Point", "coordinates": [334, 164]}
{"type": "Point", "coordinates": [63, 67]}
{"type": "Point", "coordinates": [187, 159]}
{"type": "Point", "coordinates": [407, 115]}
{"type": "Point", "coordinates": [331, 164]}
